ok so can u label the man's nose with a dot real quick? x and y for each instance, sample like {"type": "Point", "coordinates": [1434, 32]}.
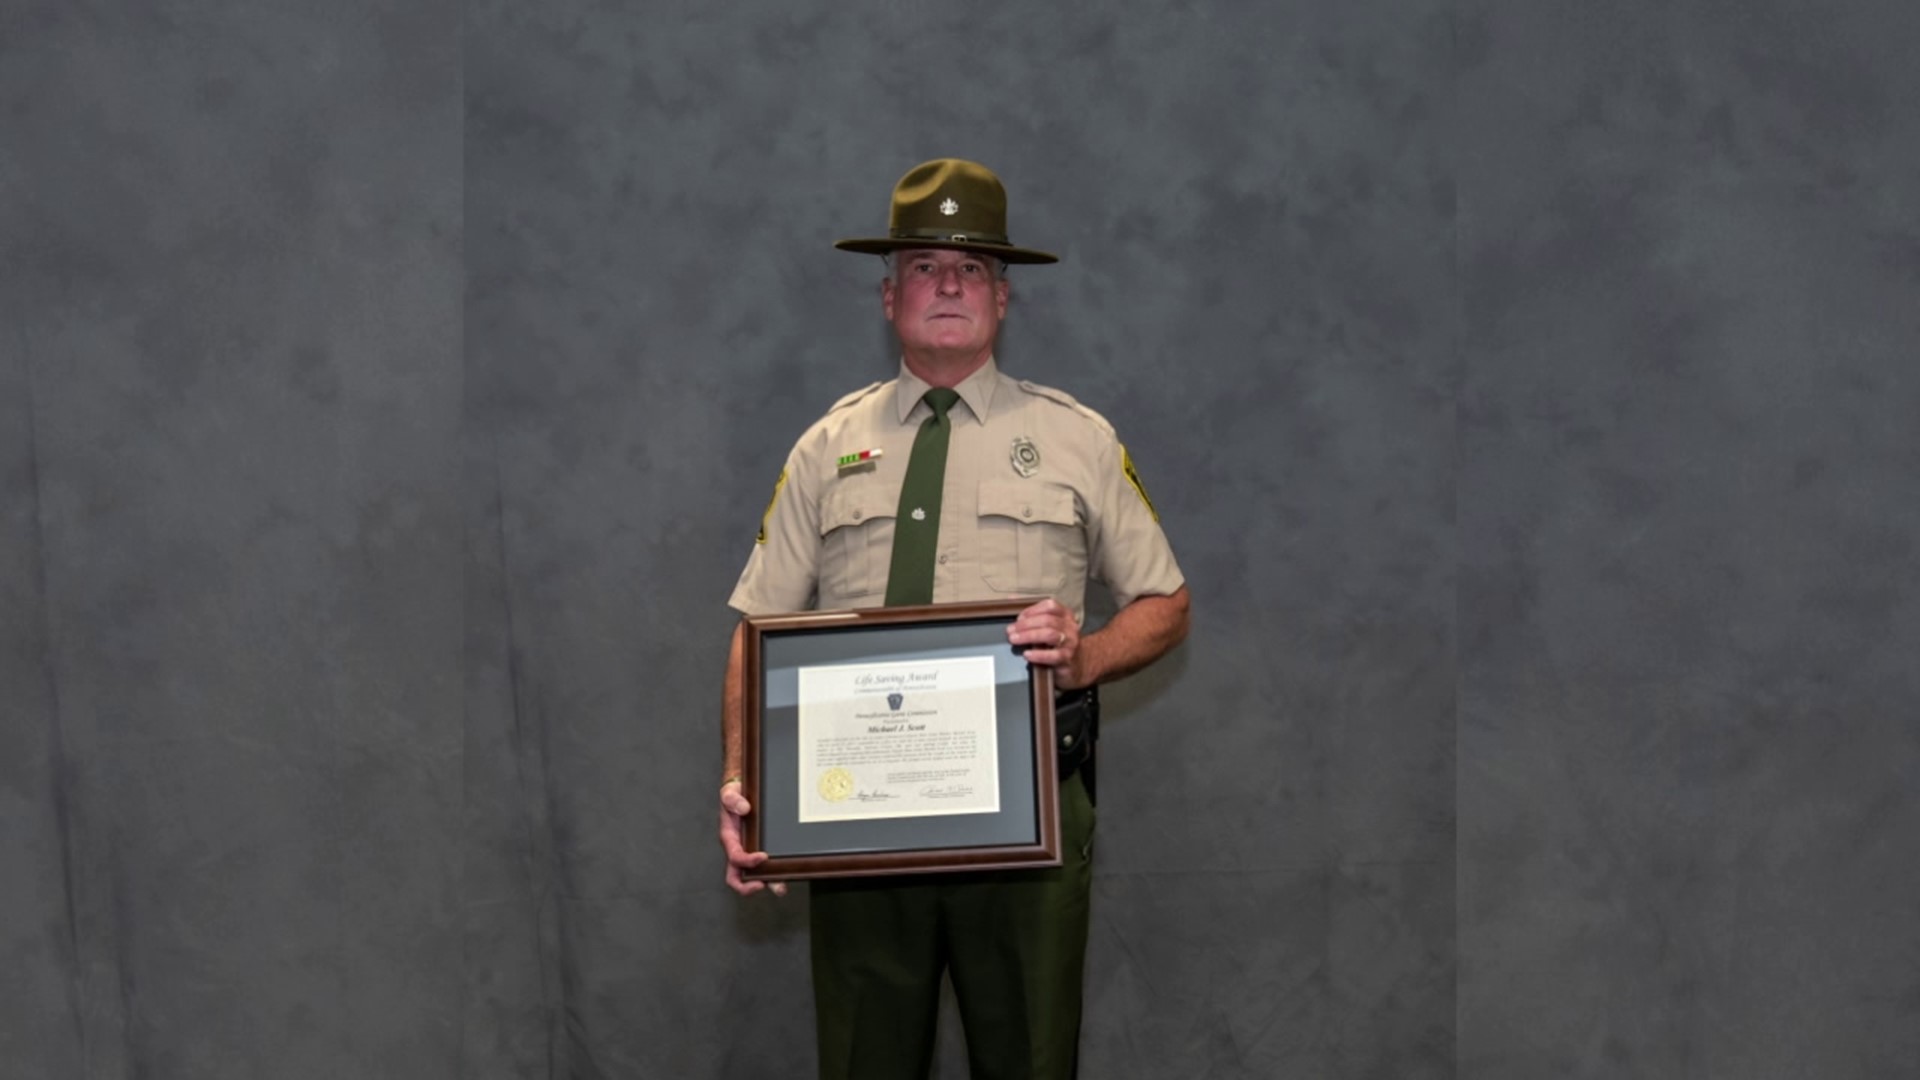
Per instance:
{"type": "Point", "coordinates": [949, 280]}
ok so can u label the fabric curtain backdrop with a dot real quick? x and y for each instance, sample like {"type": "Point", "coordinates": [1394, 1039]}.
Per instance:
{"type": "Point", "coordinates": [389, 396]}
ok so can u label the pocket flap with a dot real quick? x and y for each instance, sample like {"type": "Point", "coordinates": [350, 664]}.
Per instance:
{"type": "Point", "coordinates": [856, 505]}
{"type": "Point", "coordinates": [1027, 501]}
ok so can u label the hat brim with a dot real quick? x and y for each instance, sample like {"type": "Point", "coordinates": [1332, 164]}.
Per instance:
{"type": "Point", "coordinates": [886, 245]}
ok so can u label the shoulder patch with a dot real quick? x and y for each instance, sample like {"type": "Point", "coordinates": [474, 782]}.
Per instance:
{"type": "Point", "coordinates": [782, 482]}
{"type": "Point", "coordinates": [1061, 397]}
{"type": "Point", "coordinates": [855, 396]}
{"type": "Point", "coordinates": [1133, 477]}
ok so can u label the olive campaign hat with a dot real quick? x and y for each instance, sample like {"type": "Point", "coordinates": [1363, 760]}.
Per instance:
{"type": "Point", "coordinates": [949, 203]}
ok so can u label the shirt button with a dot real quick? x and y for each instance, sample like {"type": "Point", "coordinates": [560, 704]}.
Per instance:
{"type": "Point", "coordinates": [943, 560]}
{"type": "Point", "coordinates": [856, 515]}
{"type": "Point", "coordinates": [1026, 511]}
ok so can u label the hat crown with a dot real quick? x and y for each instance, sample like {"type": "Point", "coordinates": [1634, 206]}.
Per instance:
{"type": "Point", "coordinates": [949, 198]}
{"type": "Point", "coordinates": [948, 203]}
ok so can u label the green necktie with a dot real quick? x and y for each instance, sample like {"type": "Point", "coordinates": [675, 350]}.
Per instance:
{"type": "Point", "coordinates": [916, 528]}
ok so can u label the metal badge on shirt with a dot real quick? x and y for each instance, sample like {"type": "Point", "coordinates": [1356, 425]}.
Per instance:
{"type": "Point", "coordinates": [1026, 457]}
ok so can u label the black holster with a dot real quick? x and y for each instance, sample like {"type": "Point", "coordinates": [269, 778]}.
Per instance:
{"type": "Point", "coordinates": [1076, 731]}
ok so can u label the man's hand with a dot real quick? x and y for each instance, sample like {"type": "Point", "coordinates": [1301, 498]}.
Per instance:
{"type": "Point", "coordinates": [733, 807]}
{"type": "Point", "coordinates": [1052, 638]}
{"type": "Point", "coordinates": [1136, 636]}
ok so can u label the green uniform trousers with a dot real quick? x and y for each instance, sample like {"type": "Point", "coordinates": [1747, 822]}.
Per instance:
{"type": "Point", "coordinates": [1015, 943]}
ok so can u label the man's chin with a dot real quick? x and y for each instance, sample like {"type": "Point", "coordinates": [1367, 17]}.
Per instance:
{"type": "Point", "coordinates": [953, 343]}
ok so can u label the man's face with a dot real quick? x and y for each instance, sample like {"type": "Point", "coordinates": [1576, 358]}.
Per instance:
{"type": "Point", "coordinates": [945, 304]}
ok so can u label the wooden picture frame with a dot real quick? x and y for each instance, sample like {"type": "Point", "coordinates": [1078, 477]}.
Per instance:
{"type": "Point", "coordinates": [926, 742]}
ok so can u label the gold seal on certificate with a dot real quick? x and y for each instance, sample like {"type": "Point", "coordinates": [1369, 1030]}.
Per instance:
{"type": "Point", "coordinates": [836, 784]}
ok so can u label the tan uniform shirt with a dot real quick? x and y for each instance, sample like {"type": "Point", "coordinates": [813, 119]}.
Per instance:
{"type": "Point", "coordinates": [827, 539]}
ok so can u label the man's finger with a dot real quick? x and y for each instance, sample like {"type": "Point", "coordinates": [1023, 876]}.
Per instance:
{"type": "Point", "coordinates": [748, 888]}
{"type": "Point", "coordinates": [1049, 637]}
{"type": "Point", "coordinates": [737, 853]}
{"type": "Point", "coordinates": [742, 886]}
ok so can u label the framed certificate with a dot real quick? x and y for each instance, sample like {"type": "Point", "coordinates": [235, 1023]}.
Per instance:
{"type": "Point", "coordinates": [896, 740]}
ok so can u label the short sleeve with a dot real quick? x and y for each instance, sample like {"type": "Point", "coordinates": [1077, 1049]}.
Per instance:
{"type": "Point", "coordinates": [782, 571]}
{"type": "Point", "coordinates": [1127, 548]}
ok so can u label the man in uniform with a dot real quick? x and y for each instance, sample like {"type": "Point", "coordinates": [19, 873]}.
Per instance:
{"type": "Point", "coordinates": [983, 487]}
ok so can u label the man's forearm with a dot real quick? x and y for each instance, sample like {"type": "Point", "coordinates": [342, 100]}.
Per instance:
{"type": "Point", "coordinates": [1137, 635]}
{"type": "Point", "coordinates": [731, 759]}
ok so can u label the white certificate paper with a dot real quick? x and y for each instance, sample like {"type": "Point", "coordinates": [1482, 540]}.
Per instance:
{"type": "Point", "coordinates": [913, 738]}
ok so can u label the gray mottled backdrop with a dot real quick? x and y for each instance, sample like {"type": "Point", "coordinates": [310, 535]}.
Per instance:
{"type": "Point", "coordinates": [230, 540]}
{"type": "Point", "coordinates": [388, 398]}
{"type": "Point", "coordinates": [1689, 492]}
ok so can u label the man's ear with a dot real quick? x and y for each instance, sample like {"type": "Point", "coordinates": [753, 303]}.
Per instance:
{"type": "Point", "coordinates": [886, 297]}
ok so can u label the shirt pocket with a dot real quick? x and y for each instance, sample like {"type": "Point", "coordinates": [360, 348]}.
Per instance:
{"type": "Point", "coordinates": [856, 539]}
{"type": "Point", "coordinates": [1030, 537]}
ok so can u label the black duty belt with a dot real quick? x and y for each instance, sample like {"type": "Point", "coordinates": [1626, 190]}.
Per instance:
{"type": "Point", "coordinates": [1076, 728]}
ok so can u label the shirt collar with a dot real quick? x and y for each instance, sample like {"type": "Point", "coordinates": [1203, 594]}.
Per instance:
{"type": "Point", "coordinates": [976, 390]}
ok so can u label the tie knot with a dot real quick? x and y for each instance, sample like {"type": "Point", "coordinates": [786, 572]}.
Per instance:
{"type": "Point", "coordinates": [940, 399]}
